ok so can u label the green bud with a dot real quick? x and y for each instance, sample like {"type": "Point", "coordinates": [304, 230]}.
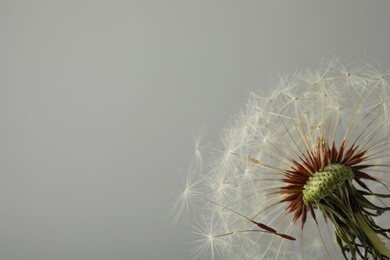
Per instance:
{"type": "Point", "coordinates": [321, 184]}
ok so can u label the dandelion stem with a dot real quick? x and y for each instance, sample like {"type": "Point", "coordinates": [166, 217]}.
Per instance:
{"type": "Point", "coordinates": [374, 239]}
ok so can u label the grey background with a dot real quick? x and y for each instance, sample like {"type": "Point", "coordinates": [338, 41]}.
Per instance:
{"type": "Point", "coordinates": [98, 100]}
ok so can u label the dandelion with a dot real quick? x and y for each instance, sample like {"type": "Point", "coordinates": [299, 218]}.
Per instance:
{"type": "Point", "coordinates": [302, 172]}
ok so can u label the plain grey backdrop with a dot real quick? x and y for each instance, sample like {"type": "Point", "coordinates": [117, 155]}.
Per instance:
{"type": "Point", "coordinates": [98, 100]}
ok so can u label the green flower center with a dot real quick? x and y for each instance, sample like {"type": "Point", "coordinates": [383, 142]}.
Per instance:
{"type": "Point", "coordinates": [321, 184]}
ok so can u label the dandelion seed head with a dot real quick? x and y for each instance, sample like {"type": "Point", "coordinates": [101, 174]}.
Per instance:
{"type": "Point", "coordinates": [302, 171]}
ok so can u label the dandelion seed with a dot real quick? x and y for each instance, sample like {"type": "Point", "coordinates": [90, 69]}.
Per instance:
{"type": "Point", "coordinates": [303, 172]}
{"type": "Point", "coordinates": [191, 190]}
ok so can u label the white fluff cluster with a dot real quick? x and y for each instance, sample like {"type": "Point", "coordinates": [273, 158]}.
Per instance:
{"type": "Point", "coordinates": [241, 187]}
